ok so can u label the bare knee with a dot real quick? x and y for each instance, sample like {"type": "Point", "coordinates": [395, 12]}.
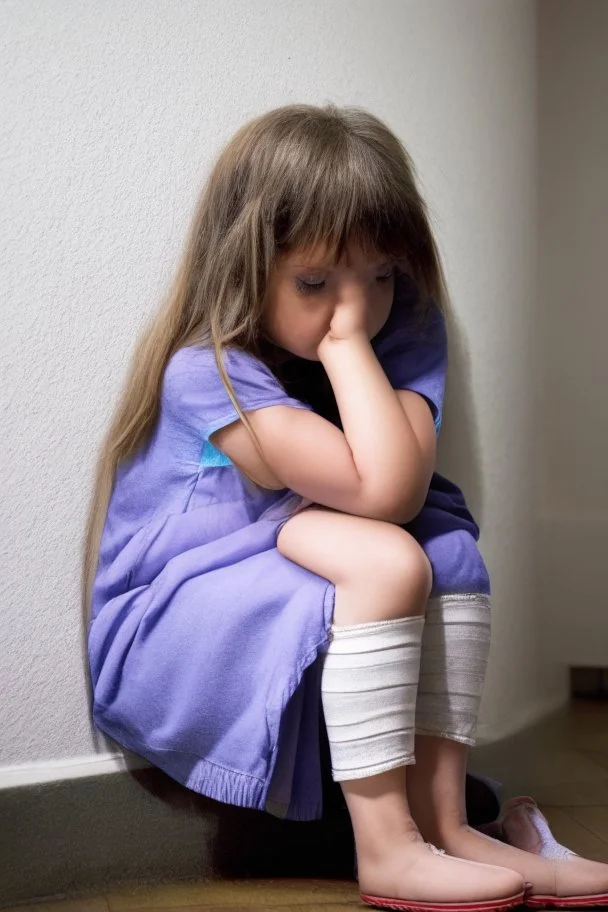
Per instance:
{"type": "Point", "coordinates": [380, 571]}
{"type": "Point", "coordinates": [400, 570]}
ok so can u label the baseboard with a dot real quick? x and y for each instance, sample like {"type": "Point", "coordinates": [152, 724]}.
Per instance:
{"type": "Point", "coordinates": [70, 768]}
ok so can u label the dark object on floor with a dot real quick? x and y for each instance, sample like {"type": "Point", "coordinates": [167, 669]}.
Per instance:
{"type": "Point", "coordinates": [481, 799]}
{"type": "Point", "coordinates": [590, 683]}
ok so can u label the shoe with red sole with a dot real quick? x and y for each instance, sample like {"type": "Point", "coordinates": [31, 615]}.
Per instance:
{"type": "Point", "coordinates": [571, 881]}
{"type": "Point", "coordinates": [441, 883]}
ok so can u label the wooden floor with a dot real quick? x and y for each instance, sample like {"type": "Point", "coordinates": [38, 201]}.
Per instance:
{"type": "Point", "coordinates": [562, 763]}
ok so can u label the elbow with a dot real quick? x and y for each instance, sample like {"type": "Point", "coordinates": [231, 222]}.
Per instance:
{"type": "Point", "coordinates": [395, 497]}
{"type": "Point", "coordinates": [404, 511]}
{"type": "Point", "coordinates": [400, 507]}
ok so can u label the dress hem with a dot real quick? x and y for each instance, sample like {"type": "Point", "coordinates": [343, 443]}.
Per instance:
{"type": "Point", "coordinates": [206, 777]}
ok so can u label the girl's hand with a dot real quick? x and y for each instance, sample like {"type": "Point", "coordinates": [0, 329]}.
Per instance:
{"type": "Point", "coordinates": [349, 321]}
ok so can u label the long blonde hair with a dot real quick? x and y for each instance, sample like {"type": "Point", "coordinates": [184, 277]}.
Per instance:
{"type": "Point", "coordinates": [295, 177]}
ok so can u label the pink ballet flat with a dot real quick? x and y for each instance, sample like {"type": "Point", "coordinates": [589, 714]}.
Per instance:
{"type": "Point", "coordinates": [577, 882]}
{"type": "Point", "coordinates": [408, 905]}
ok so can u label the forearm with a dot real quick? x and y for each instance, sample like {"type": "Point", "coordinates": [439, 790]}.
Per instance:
{"type": "Point", "coordinates": [384, 447]}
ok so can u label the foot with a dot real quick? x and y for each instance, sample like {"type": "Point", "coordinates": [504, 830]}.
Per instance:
{"type": "Point", "coordinates": [416, 876]}
{"type": "Point", "coordinates": [562, 880]}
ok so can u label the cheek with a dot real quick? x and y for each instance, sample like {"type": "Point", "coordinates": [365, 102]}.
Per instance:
{"type": "Point", "coordinates": [297, 325]}
{"type": "Point", "coordinates": [305, 328]}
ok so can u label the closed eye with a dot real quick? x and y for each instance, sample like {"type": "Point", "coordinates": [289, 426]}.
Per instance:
{"type": "Point", "coordinates": [308, 287]}
{"type": "Point", "coordinates": [312, 287]}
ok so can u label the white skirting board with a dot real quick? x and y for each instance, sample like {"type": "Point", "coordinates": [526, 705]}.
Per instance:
{"type": "Point", "coordinates": [71, 768]}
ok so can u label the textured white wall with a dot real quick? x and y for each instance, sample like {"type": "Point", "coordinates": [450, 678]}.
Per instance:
{"type": "Point", "coordinates": [573, 493]}
{"type": "Point", "coordinates": [112, 115]}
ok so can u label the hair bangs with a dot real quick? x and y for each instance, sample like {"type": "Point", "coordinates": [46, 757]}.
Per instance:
{"type": "Point", "coordinates": [351, 198]}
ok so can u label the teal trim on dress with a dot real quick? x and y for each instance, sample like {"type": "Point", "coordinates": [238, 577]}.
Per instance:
{"type": "Point", "coordinates": [213, 457]}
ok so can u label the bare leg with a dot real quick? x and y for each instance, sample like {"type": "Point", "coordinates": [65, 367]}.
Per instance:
{"type": "Point", "coordinates": [380, 572]}
{"type": "Point", "coordinates": [436, 787]}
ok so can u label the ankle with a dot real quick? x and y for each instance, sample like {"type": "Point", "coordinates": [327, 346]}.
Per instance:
{"type": "Point", "coordinates": [457, 836]}
{"type": "Point", "coordinates": [445, 832]}
{"type": "Point", "coordinates": [374, 848]}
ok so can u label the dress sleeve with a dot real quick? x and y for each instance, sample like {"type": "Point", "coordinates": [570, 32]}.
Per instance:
{"type": "Point", "coordinates": [412, 349]}
{"type": "Point", "coordinates": [195, 393]}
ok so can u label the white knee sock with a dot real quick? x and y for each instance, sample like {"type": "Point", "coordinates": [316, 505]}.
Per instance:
{"type": "Point", "coordinates": [455, 647]}
{"type": "Point", "coordinates": [368, 689]}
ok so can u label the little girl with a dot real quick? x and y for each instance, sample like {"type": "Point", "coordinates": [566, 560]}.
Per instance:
{"type": "Point", "coordinates": [268, 537]}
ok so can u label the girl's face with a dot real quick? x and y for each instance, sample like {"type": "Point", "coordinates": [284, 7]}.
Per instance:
{"type": "Point", "coordinates": [303, 293]}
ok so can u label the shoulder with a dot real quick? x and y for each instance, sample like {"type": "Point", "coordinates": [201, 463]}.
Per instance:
{"type": "Point", "coordinates": [195, 358]}
{"type": "Point", "coordinates": [194, 390]}
{"type": "Point", "coordinates": [196, 365]}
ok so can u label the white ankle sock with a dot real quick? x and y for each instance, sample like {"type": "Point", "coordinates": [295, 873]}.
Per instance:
{"type": "Point", "coordinates": [368, 689]}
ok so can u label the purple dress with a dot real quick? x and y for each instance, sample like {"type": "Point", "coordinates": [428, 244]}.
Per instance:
{"type": "Point", "coordinates": [205, 644]}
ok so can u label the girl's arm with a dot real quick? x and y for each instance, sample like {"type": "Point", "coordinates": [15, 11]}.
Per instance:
{"type": "Point", "coordinates": [379, 467]}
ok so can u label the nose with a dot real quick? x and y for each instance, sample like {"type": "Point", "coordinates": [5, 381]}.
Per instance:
{"type": "Point", "coordinates": [353, 291]}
